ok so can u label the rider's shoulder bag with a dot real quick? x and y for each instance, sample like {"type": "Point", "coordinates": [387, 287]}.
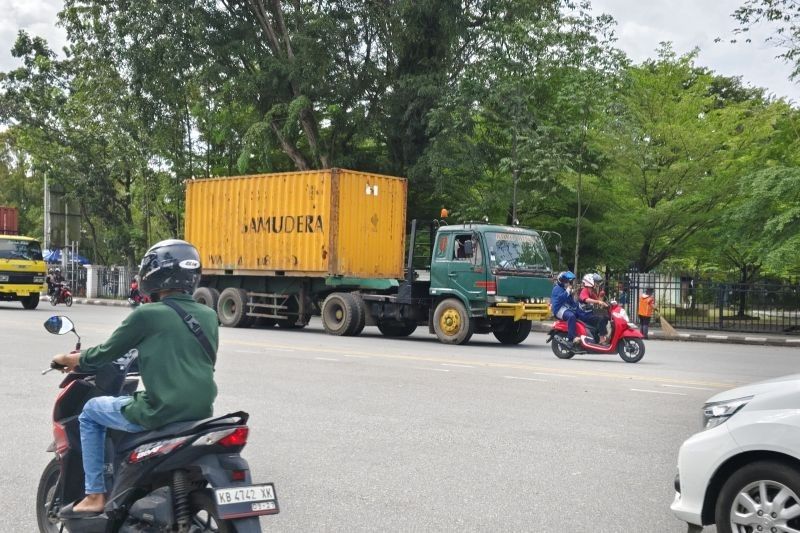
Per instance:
{"type": "Point", "coordinates": [194, 326]}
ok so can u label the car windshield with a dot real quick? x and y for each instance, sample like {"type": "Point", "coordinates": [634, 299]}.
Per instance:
{"type": "Point", "coordinates": [20, 249]}
{"type": "Point", "coordinates": [518, 251]}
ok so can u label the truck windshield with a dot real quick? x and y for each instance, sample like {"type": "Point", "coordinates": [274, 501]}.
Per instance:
{"type": "Point", "coordinates": [19, 249]}
{"type": "Point", "coordinates": [518, 251]}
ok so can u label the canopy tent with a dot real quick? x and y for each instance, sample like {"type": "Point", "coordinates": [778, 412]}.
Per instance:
{"type": "Point", "coordinates": [54, 257]}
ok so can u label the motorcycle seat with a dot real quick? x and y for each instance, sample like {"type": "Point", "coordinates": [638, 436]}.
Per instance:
{"type": "Point", "coordinates": [180, 429]}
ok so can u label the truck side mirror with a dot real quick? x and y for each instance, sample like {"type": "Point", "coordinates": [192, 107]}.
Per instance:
{"type": "Point", "coordinates": [469, 249]}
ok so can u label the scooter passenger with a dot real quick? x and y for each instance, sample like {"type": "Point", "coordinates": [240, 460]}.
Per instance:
{"type": "Point", "coordinates": [176, 366]}
{"type": "Point", "coordinates": [563, 305]}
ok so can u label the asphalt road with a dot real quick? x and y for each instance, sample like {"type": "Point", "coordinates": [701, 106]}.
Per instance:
{"type": "Point", "coordinates": [372, 434]}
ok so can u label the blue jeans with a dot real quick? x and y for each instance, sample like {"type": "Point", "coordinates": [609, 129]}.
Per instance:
{"type": "Point", "coordinates": [97, 415]}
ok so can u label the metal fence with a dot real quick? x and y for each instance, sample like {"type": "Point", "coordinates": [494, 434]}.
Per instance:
{"type": "Point", "coordinates": [692, 303]}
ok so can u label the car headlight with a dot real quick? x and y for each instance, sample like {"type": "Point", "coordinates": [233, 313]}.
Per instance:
{"type": "Point", "coordinates": [717, 413]}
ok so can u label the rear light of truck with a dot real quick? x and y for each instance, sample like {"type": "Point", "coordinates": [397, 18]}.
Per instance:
{"type": "Point", "coordinates": [490, 286]}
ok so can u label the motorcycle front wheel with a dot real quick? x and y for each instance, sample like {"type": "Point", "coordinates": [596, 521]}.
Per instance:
{"type": "Point", "coordinates": [631, 350]}
{"type": "Point", "coordinates": [68, 301]}
{"type": "Point", "coordinates": [46, 508]}
{"type": "Point", "coordinates": [204, 515]}
{"type": "Point", "coordinates": [53, 300]}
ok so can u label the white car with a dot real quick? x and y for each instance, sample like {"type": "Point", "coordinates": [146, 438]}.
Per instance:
{"type": "Point", "coordinates": [742, 471]}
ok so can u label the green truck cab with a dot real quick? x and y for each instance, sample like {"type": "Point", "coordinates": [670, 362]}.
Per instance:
{"type": "Point", "coordinates": [22, 270]}
{"type": "Point", "coordinates": [487, 278]}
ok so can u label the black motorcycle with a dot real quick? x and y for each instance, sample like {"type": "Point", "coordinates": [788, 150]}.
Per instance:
{"type": "Point", "coordinates": [186, 477]}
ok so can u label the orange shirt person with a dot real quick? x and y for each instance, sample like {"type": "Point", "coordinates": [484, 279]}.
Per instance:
{"type": "Point", "coordinates": [647, 303]}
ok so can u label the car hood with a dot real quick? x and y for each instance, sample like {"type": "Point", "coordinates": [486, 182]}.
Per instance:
{"type": "Point", "coordinates": [788, 383]}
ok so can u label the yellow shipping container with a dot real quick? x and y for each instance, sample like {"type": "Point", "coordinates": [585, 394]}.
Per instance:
{"type": "Point", "coordinates": [314, 224]}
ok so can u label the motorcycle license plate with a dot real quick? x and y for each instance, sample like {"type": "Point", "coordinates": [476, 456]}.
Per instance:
{"type": "Point", "coordinates": [249, 500]}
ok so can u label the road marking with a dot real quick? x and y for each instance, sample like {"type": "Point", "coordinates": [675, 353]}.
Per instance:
{"type": "Point", "coordinates": [756, 339]}
{"type": "Point", "coordinates": [274, 349]}
{"type": "Point", "coordinates": [356, 356]}
{"type": "Point", "coordinates": [459, 366]}
{"type": "Point", "coordinates": [659, 392]}
{"type": "Point", "coordinates": [792, 340]}
{"type": "Point", "coordinates": [722, 337]}
{"type": "Point", "coordinates": [687, 387]}
{"type": "Point", "coordinates": [250, 351]}
{"type": "Point", "coordinates": [431, 369]}
{"type": "Point", "coordinates": [325, 359]}
{"type": "Point", "coordinates": [526, 379]}
{"type": "Point", "coordinates": [542, 370]}
{"type": "Point", "coordinates": [554, 374]}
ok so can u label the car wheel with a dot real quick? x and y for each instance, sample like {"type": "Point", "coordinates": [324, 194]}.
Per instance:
{"type": "Point", "coordinates": [631, 350]}
{"type": "Point", "coordinates": [760, 497]}
{"type": "Point", "coordinates": [559, 346]}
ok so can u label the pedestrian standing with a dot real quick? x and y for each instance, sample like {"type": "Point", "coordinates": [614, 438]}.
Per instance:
{"type": "Point", "coordinates": [647, 303]}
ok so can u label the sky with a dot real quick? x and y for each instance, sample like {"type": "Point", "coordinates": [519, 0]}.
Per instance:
{"type": "Point", "coordinates": [642, 24]}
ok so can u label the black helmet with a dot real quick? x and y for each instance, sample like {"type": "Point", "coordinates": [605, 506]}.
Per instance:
{"type": "Point", "coordinates": [171, 264]}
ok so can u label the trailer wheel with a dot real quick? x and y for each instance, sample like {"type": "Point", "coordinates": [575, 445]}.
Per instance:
{"type": "Point", "coordinates": [452, 323]}
{"type": "Point", "coordinates": [232, 308]}
{"type": "Point", "coordinates": [207, 296]}
{"type": "Point", "coordinates": [513, 332]}
{"type": "Point", "coordinates": [362, 315]}
{"type": "Point", "coordinates": [341, 314]}
{"type": "Point", "coordinates": [397, 329]}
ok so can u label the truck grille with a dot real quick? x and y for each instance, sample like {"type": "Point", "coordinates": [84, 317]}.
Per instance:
{"type": "Point", "coordinates": [21, 278]}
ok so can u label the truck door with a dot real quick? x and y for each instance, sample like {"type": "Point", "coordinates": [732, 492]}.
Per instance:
{"type": "Point", "coordinates": [466, 269]}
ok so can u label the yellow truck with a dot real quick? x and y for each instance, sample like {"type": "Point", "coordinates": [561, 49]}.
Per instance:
{"type": "Point", "coordinates": [22, 270]}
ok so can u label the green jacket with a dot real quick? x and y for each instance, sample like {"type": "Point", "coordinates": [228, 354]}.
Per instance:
{"type": "Point", "coordinates": [177, 373]}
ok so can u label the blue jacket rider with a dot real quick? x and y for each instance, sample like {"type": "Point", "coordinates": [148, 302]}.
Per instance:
{"type": "Point", "coordinates": [563, 305]}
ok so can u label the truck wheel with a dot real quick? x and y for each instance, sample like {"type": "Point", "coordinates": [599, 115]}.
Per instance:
{"type": "Point", "coordinates": [451, 322]}
{"type": "Point", "coordinates": [341, 314]}
{"type": "Point", "coordinates": [513, 332]}
{"type": "Point", "coordinates": [31, 302]}
{"type": "Point", "coordinates": [362, 315]}
{"type": "Point", "coordinates": [397, 329]}
{"type": "Point", "coordinates": [232, 308]}
{"type": "Point", "coordinates": [207, 296]}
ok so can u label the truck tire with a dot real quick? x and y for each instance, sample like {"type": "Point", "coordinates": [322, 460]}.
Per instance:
{"type": "Point", "coordinates": [207, 296]}
{"type": "Point", "coordinates": [362, 312]}
{"type": "Point", "coordinates": [232, 308]}
{"type": "Point", "coordinates": [341, 314]}
{"type": "Point", "coordinates": [452, 323]}
{"type": "Point", "coordinates": [513, 332]}
{"type": "Point", "coordinates": [30, 302]}
{"type": "Point", "coordinates": [397, 329]}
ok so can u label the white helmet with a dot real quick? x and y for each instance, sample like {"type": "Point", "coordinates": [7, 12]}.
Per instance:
{"type": "Point", "coordinates": [588, 280]}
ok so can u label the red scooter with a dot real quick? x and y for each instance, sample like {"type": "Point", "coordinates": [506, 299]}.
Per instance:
{"type": "Point", "coordinates": [61, 295]}
{"type": "Point", "coordinates": [625, 340]}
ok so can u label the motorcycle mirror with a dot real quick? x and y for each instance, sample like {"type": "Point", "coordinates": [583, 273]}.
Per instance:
{"type": "Point", "coordinates": [59, 325]}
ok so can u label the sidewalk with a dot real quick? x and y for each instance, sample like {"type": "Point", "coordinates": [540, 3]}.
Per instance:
{"type": "Point", "coordinates": [687, 335]}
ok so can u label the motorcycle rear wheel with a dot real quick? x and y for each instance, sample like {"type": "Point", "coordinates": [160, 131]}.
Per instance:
{"type": "Point", "coordinates": [557, 344]}
{"type": "Point", "coordinates": [204, 516]}
{"type": "Point", "coordinates": [44, 498]}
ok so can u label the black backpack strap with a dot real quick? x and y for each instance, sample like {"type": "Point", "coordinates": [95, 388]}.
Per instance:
{"type": "Point", "coordinates": [194, 326]}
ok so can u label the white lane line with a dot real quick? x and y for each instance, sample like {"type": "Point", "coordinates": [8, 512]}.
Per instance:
{"type": "Point", "coordinates": [554, 374]}
{"type": "Point", "coordinates": [687, 387]}
{"type": "Point", "coordinates": [459, 366]}
{"type": "Point", "coordinates": [431, 369]}
{"type": "Point", "coordinates": [527, 379]}
{"type": "Point", "coordinates": [792, 340]}
{"type": "Point", "coordinates": [356, 356]}
{"type": "Point", "coordinates": [659, 392]}
{"type": "Point", "coordinates": [325, 359]}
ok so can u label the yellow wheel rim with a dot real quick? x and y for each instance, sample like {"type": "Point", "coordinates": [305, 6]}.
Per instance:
{"type": "Point", "coordinates": [450, 322]}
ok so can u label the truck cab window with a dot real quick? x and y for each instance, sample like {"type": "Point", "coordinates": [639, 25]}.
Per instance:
{"type": "Point", "coordinates": [460, 249]}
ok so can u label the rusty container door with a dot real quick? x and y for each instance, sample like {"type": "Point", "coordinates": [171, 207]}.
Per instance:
{"type": "Point", "coordinates": [370, 214]}
{"type": "Point", "coordinates": [9, 221]}
{"type": "Point", "coordinates": [262, 224]}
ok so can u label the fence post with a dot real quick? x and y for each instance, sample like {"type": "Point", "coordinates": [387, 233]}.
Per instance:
{"type": "Point", "coordinates": [721, 305]}
{"type": "Point", "coordinates": [91, 281]}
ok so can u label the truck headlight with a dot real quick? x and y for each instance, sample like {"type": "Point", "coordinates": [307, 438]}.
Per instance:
{"type": "Point", "coordinates": [38, 279]}
{"type": "Point", "coordinates": [717, 413]}
{"type": "Point", "coordinates": [3, 277]}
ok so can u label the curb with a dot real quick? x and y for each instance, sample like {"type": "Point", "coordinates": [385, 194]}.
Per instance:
{"type": "Point", "coordinates": [544, 327]}
{"type": "Point", "coordinates": [735, 338]}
